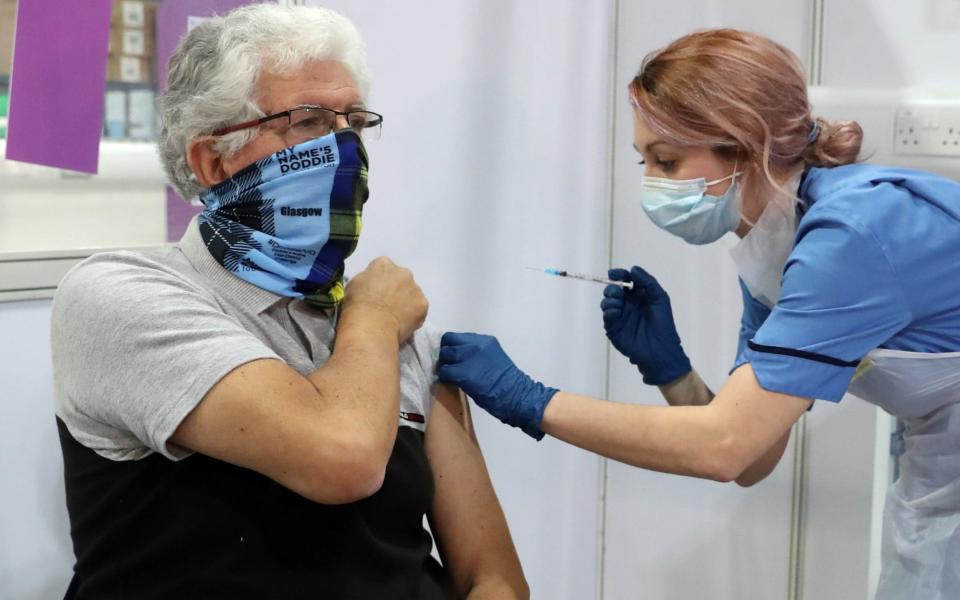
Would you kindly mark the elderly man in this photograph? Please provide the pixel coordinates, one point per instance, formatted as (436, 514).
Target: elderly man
(217, 443)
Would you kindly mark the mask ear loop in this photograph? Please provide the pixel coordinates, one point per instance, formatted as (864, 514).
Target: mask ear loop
(730, 176)
(739, 198)
(736, 162)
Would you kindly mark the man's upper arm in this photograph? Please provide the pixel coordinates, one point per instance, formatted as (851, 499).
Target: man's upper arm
(135, 349)
(146, 360)
(265, 416)
(471, 530)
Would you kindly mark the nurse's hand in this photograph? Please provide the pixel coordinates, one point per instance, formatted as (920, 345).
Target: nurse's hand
(479, 366)
(639, 323)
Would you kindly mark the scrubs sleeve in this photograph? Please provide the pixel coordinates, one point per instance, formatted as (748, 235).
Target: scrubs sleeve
(840, 299)
(754, 314)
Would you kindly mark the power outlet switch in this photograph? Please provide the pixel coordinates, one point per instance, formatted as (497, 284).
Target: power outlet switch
(929, 130)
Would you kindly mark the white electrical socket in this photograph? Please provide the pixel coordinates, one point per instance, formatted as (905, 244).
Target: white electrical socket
(927, 129)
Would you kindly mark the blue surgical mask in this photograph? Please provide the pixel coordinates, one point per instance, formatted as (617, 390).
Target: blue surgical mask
(682, 207)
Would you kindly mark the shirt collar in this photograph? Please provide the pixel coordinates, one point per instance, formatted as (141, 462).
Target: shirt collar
(221, 280)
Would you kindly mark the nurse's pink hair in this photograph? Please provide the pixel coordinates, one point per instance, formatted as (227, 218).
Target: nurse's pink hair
(743, 95)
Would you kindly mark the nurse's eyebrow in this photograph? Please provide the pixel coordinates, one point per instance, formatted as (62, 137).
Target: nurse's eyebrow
(651, 145)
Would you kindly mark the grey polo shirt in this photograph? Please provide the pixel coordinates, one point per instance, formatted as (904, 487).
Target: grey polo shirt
(138, 339)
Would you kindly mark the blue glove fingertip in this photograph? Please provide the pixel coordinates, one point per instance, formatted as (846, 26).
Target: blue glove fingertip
(452, 338)
(613, 291)
(609, 303)
(447, 374)
(641, 277)
(618, 274)
(448, 354)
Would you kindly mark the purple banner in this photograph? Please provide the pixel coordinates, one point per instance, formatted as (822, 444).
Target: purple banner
(174, 19)
(57, 82)
(179, 214)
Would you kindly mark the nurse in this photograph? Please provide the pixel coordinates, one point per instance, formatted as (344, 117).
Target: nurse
(850, 276)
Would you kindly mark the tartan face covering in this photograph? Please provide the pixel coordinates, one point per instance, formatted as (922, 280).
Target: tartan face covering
(288, 222)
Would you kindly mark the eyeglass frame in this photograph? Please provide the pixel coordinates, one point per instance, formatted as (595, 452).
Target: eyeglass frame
(287, 113)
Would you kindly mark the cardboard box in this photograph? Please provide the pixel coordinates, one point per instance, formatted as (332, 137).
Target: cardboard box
(132, 42)
(133, 14)
(131, 69)
(8, 14)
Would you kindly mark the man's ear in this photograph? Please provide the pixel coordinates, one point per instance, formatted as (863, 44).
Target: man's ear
(205, 161)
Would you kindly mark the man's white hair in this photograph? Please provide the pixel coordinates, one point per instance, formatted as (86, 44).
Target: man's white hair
(215, 67)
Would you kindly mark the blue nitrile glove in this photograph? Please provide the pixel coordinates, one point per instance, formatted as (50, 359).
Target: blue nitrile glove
(639, 323)
(479, 366)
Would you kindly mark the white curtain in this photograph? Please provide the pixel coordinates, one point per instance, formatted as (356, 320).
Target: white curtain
(36, 556)
(494, 156)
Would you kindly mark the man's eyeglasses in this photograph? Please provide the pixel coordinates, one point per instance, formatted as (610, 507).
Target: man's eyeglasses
(310, 122)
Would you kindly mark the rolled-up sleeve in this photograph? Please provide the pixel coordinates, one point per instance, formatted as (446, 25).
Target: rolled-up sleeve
(840, 299)
(754, 315)
(135, 349)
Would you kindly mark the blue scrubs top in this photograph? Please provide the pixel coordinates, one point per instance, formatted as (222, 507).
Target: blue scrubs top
(875, 264)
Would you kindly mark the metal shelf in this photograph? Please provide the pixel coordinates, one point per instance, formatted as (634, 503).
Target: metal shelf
(110, 85)
(121, 163)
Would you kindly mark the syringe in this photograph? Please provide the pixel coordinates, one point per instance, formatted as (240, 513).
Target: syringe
(628, 285)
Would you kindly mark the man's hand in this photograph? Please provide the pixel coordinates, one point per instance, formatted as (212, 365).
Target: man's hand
(327, 436)
(391, 289)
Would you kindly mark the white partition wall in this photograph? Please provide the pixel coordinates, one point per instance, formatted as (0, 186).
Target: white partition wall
(873, 52)
(35, 551)
(891, 43)
(494, 156)
(748, 543)
(670, 537)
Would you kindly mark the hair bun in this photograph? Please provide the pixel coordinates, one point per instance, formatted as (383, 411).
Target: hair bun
(838, 143)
